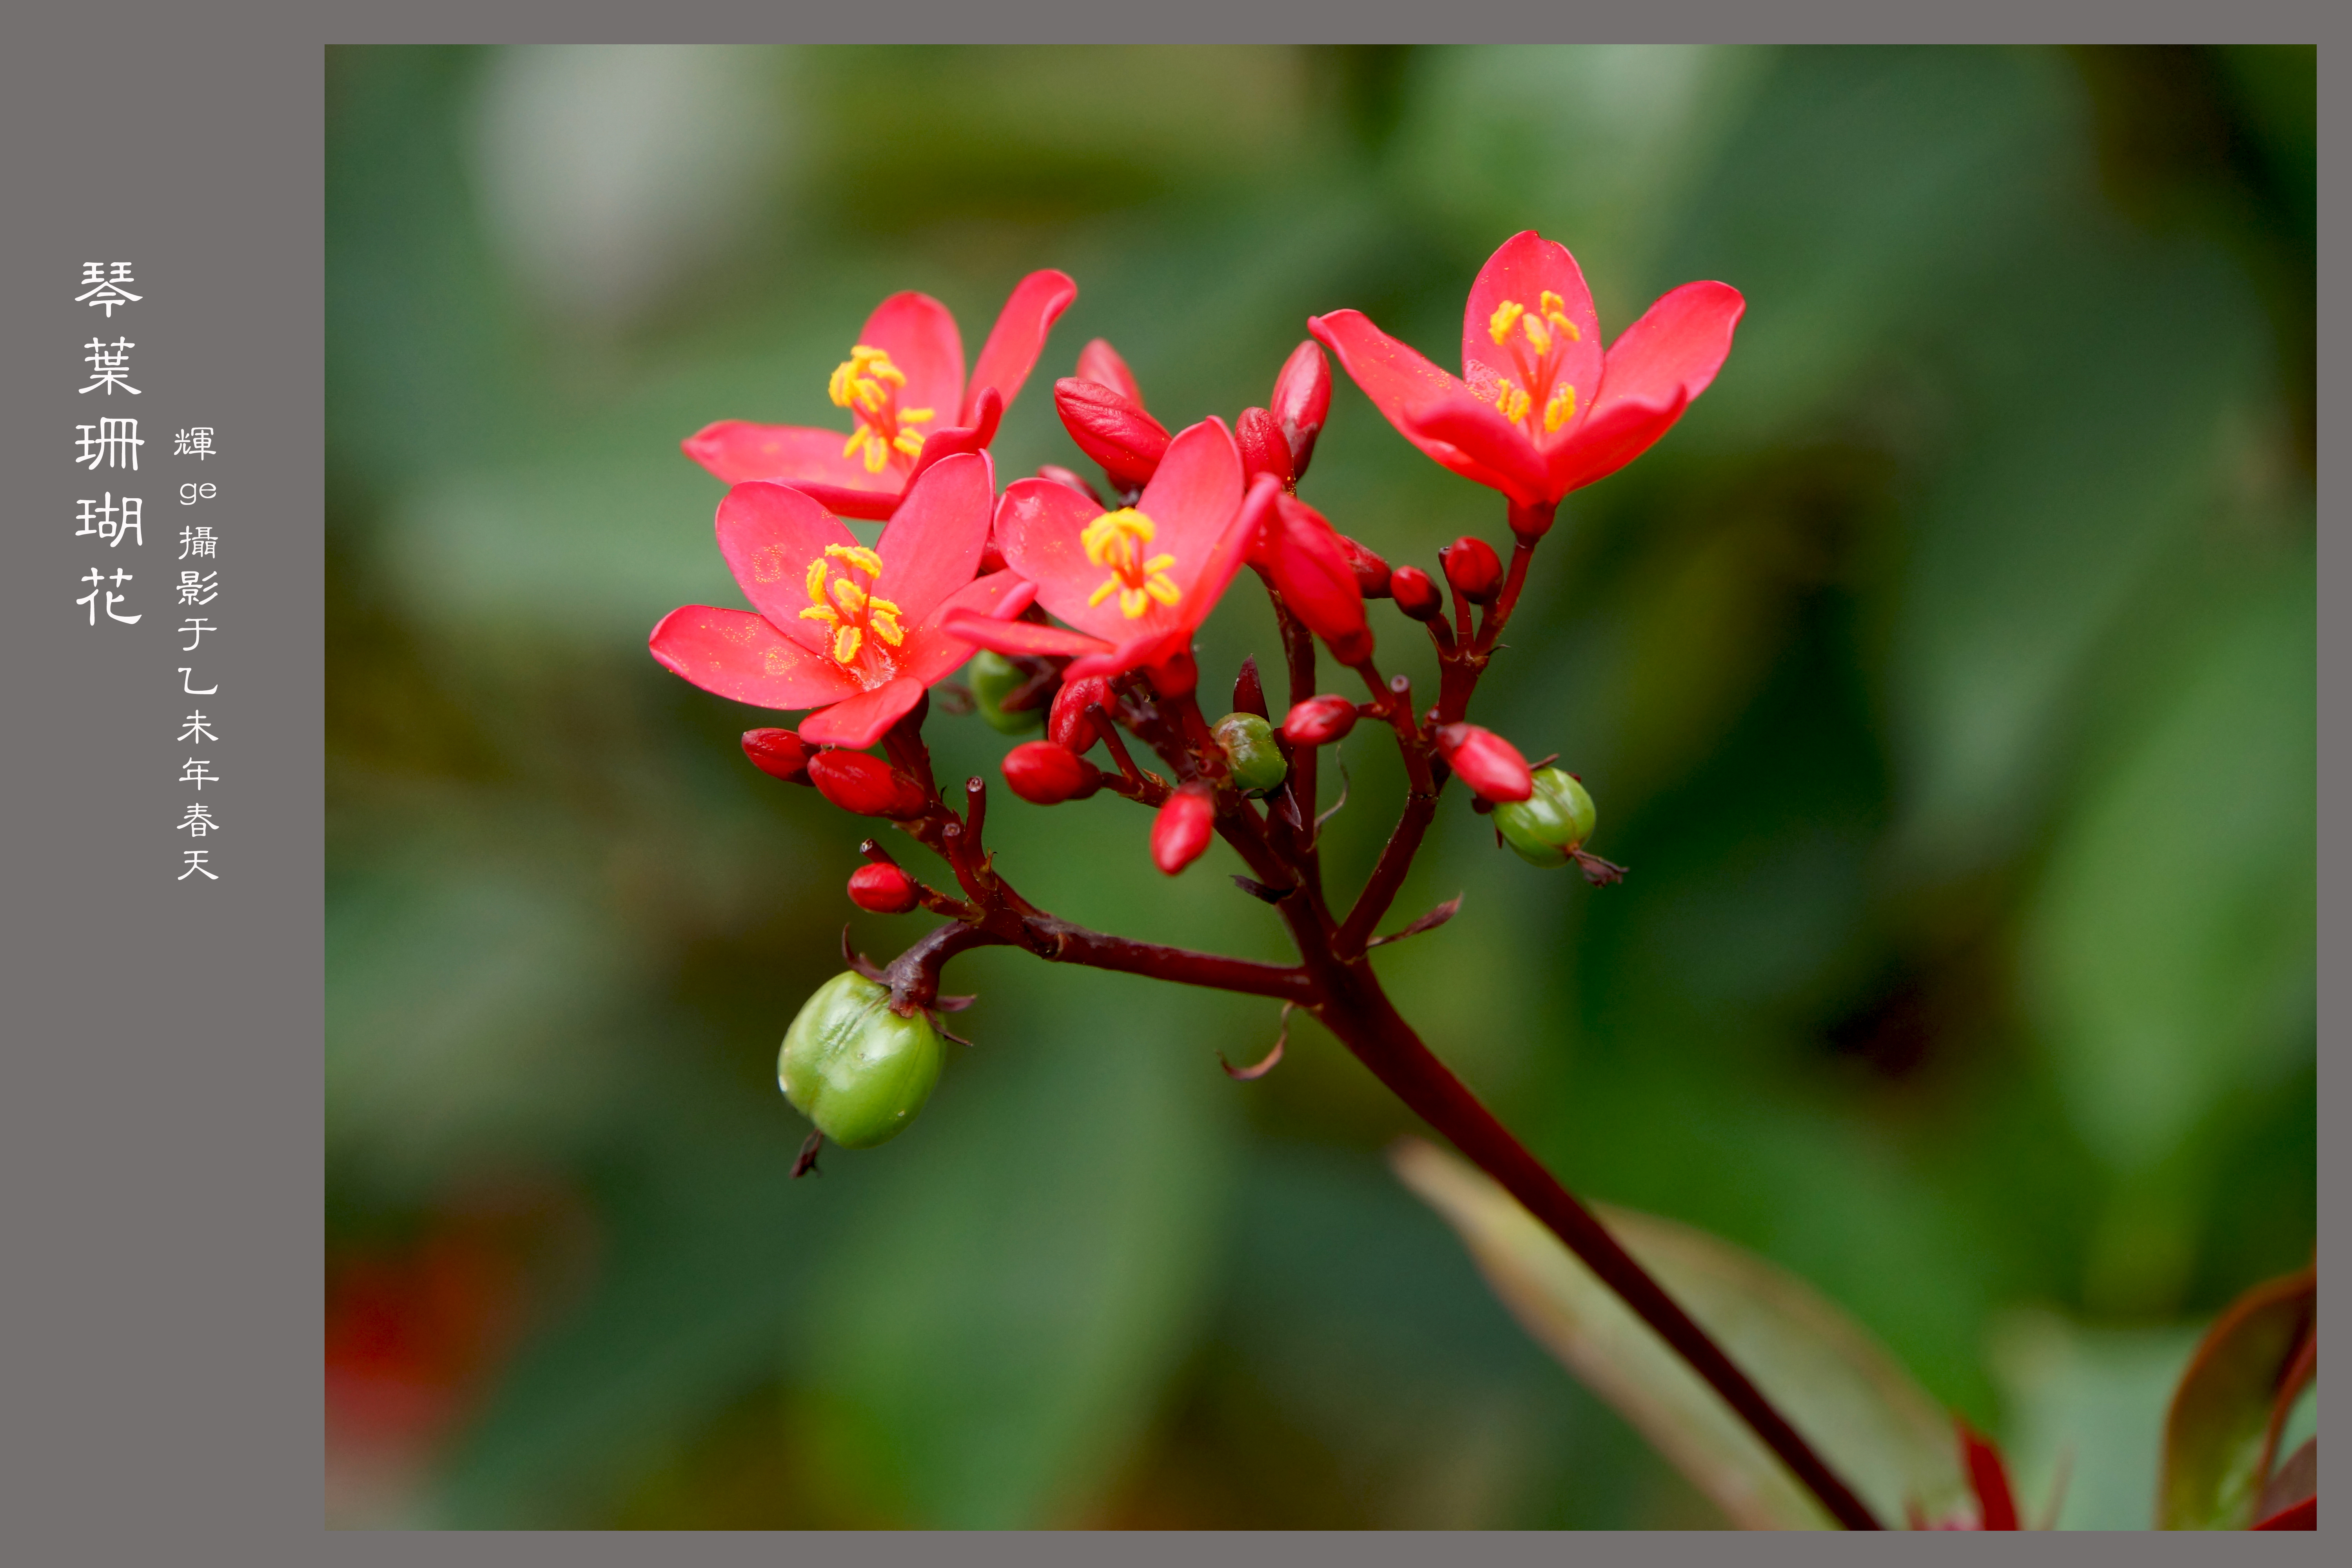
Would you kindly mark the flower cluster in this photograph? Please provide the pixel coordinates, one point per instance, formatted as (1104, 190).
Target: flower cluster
(1071, 606)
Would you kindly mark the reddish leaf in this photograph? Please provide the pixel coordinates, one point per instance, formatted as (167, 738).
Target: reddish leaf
(2217, 1433)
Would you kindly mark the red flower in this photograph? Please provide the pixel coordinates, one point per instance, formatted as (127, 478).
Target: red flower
(1488, 763)
(1308, 562)
(1181, 831)
(904, 386)
(853, 632)
(1539, 410)
(1136, 582)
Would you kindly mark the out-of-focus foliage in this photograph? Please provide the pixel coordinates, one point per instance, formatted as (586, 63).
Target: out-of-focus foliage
(1945, 678)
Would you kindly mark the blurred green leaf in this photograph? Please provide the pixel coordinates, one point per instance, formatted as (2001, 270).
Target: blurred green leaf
(992, 1338)
(2085, 1423)
(2215, 1436)
(2169, 954)
(1853, 1401)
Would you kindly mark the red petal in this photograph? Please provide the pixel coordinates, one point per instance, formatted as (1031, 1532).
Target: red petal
(1017, 638)
(1190, 501)
(1489, 447)
(921, 340)
(736, 451)
(933, 653)
(1676, 347)
(1099, 363)
(932, 545)
(1521, 269)
(1403, 386)
(1038, 527)
(769, 534)
(737, 654)
(859, 721)
(1019, 335)
(1662, 361)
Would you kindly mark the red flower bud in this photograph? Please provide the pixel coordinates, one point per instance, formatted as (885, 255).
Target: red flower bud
(1488, 763)
(1302, 397)
(1067, 723)
(1303, 557)
(1371, 571)
(1180, 832)
(1043, 774)
(1474, 569)
(1263, 450)
(778, 753)
(885, 890)
(1099, 362)
(867, 786)
(1112, 431)
(1069, 478)
(1249, 691)
(1318, 721)
(1416, 594)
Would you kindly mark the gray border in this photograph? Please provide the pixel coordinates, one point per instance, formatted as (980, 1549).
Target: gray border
(165, 1088)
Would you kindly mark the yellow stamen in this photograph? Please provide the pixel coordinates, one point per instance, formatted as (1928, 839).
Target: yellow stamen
(821, 613)
(844, 644)
(1498, 325)
(1115, 540)
(857, 555)
(867, 384)
(1555, 310)
(815, 582)
(1510, 400)
(1559, 410)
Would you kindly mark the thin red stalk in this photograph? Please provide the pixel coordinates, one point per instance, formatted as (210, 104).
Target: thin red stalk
(1357, 1011)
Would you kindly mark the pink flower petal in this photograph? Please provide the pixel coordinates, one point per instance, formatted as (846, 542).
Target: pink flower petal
(1018, 337)
(1019, 638)
(1662, 361)
(921, 340)
(1403, 385)
(737, 654)
(769, 533)
(1489, 447)
(933, 653)
(1522, 269)
(932, 545)
(859, 721)
(735, 450)
(1038, 529)
(1191, 500)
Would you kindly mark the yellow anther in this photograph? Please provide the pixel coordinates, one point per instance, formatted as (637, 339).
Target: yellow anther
(1559, 410)
(1538, 335)
(825, 613)
(848, 595)
(844, 644)
(815, 582)
(1498, 325)
(868, 383)
(1115, 540)
(1510, 400)
(857, 555)
(886, 625)
(1555, 310)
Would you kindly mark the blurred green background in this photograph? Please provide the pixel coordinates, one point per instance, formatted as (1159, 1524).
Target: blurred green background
(1946, 678)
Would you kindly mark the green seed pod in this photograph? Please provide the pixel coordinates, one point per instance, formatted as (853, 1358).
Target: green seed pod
(854, 1068)
(992, 679)
(1257, 761)
(1547, 827)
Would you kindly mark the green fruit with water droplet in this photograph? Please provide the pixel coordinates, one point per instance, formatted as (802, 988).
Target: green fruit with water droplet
(1548, 826)
(993, 677)
(1251, 753)
(859, 1070)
